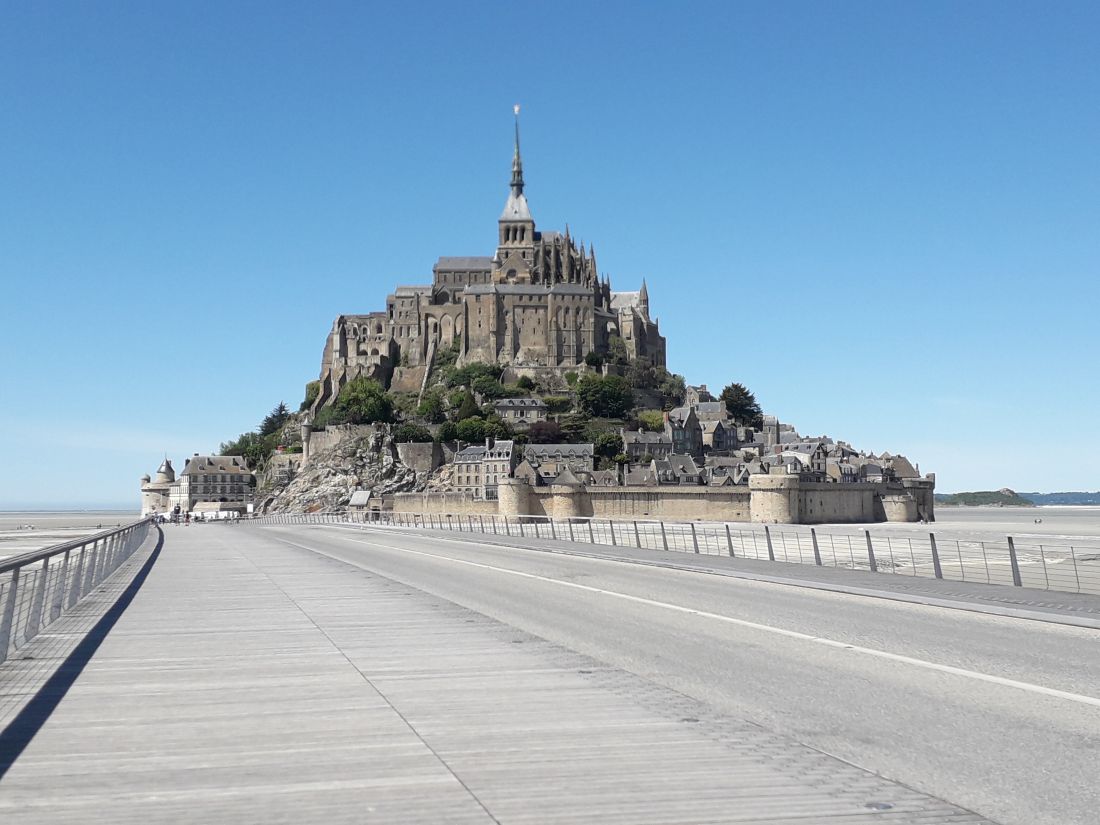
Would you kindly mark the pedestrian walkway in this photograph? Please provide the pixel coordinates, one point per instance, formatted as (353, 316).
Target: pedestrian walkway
(249, 680)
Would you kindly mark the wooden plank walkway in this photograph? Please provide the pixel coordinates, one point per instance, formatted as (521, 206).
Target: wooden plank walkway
(252, 681)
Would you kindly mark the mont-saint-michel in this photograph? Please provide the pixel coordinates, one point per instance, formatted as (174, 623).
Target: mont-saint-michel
(521, 383)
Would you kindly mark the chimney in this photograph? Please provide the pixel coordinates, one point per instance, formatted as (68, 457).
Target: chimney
(489, 442)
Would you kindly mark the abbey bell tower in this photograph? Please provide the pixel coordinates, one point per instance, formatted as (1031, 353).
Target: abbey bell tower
(517, 227)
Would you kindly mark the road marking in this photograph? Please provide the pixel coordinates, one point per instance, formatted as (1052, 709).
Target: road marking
(779, 631)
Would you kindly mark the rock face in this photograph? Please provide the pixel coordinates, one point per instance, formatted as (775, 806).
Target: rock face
(331, 476)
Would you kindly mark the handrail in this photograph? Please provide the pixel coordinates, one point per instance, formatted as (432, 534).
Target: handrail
(37, 555)
(35, 590)
(1043, 562)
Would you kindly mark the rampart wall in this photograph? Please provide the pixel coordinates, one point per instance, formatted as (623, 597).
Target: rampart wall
(768, 500)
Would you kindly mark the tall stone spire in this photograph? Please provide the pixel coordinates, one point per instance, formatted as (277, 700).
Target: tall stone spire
(516, 209)
(517, 161)
(643, 300)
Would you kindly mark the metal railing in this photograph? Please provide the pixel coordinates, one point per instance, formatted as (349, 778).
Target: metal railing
(1031, 561)
(37, 588)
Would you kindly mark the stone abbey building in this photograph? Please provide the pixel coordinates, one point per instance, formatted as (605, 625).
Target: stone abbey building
(537, 306)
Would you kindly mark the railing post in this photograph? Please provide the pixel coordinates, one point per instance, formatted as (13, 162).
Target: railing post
(768, 536)
(7, 618)
(570, 523)
(817, 552)
(493, 519)
(611, 524)
(58, 601)
(34, 620)
(694, 536)
(637, 537)
(481, 521)
(89, 569)
(664, 537)
(936, 568)
(591, 535)
(729, 540)
(871, 552)
(78, 578)
(553, 530)
(1016, 580)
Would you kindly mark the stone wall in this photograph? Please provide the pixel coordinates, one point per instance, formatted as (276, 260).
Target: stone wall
(689, 503)
(422, 457)
(779, 499)
(333, 434)
(435, 502)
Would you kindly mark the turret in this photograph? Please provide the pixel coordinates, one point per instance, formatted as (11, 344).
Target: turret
(643, 300)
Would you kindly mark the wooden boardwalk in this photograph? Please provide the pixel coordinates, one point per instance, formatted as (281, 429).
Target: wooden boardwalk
(253, 681)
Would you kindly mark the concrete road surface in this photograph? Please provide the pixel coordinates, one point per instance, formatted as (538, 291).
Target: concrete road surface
(999, 715)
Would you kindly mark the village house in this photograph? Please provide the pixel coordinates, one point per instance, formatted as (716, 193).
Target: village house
(520, 413)
(550, 459)
(683, 430)
(637, 444)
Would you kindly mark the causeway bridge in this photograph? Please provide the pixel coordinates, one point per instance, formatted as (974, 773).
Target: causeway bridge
(310, 669)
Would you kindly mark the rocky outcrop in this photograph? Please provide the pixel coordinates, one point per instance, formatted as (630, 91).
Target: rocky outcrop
(332, 475)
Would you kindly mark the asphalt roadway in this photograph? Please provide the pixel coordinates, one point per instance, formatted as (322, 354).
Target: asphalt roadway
(997, 714)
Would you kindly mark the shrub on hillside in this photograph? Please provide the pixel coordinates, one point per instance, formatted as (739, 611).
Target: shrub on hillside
(407, 433)
(605, 396)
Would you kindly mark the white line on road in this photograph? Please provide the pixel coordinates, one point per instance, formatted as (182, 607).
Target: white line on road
(791, 634)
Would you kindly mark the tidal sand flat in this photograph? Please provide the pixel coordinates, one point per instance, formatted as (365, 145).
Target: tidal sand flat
(27, 530)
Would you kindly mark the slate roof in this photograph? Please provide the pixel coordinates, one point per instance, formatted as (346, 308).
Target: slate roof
(644, 437)
(567, 479)
(623, 300)
(475, 452)
(521, 403)
(463, 264)
(360, 498)
(554, 450)
(215, 464)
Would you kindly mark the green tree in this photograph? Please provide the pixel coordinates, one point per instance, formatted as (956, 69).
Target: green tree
(431, 407)
(673, 389)
(593, 359)
(313, 389)
(472, 429)
(556, 404)
(274, 420)
(544, 432)
(255, 448)
(466, 406)
(606, 397)
(607, 445)
(363, 401)
(406, 433)
(652, 420)
(742, 406)
(466, 376)
(571, 378)
(448, 431)
(525, 383)
(487, 387)
(616, 351)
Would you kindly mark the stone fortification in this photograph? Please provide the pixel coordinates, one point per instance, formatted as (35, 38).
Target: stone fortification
(768, 500)
(362, 458)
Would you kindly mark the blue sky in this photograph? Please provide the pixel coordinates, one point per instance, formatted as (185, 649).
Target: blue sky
(881, 217)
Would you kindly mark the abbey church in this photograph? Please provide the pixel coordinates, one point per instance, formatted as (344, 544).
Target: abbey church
(536, 307)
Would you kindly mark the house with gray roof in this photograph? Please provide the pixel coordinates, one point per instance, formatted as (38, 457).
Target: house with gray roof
(520, 413)
(551, 459)
(637, 444)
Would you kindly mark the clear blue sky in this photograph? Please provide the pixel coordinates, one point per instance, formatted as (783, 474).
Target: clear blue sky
(881, 217)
